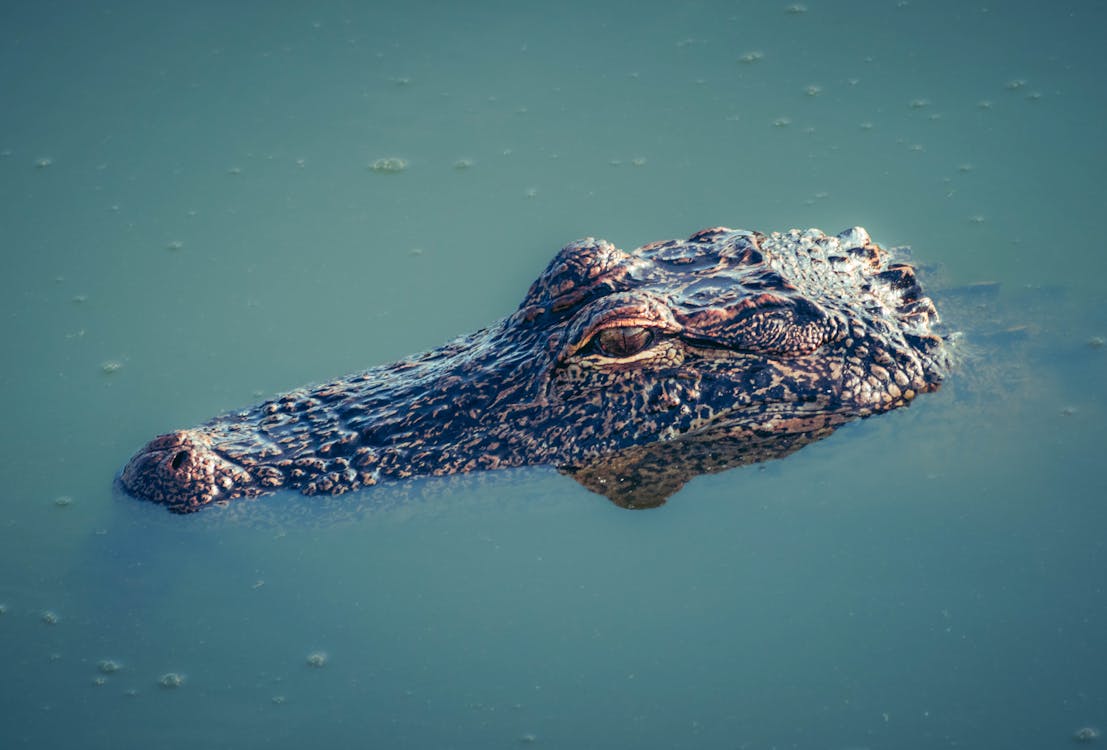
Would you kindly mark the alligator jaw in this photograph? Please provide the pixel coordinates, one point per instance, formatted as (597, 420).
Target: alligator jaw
(182, 471)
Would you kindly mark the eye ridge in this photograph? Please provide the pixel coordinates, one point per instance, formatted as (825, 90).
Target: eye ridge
(620, 342)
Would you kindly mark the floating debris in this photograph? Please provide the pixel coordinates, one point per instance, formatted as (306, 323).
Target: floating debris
(63, 501)
(638, 161)
(279, 700)
(461, 164)
(108, 666)
(390, 165)
(796, 8)
(1085, 734)
(1014, 85)
(530, 193)
(317, 659)
(866, 126)
(111, 366)
(1095, 342)
(918, 103)
(751, 57)
(235, 170)
(49, 617)
(782, 122)
(813, 90)
(174, 245)
(43, 162)
(171, 680)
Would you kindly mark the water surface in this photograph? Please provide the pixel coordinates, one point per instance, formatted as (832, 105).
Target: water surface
(189, 222)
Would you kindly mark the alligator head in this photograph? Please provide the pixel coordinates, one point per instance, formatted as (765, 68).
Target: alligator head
(630, 371)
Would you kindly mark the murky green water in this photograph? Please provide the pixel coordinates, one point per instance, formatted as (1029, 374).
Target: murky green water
(189, 222)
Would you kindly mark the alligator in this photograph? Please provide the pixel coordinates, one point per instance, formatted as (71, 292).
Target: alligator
(632, 372)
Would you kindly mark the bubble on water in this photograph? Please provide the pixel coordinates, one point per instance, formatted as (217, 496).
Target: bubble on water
(462, 164)
(174, 245)
(63, 501)
(171, 680)
(752, 57)
(317, 659)
(43, 162)
(49, 617)
(108, 666)
(389, 165)
(1085, 734)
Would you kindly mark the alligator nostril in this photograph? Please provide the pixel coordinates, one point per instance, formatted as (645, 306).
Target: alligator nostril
(178, 459)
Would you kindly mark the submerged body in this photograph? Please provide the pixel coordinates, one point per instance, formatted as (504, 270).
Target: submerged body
(631, 371)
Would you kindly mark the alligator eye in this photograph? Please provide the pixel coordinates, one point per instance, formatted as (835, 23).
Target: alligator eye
(623, 341)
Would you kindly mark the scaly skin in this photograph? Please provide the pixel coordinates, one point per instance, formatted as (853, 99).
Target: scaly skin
(631, 372)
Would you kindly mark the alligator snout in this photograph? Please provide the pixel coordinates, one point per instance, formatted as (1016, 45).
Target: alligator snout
(182, 471)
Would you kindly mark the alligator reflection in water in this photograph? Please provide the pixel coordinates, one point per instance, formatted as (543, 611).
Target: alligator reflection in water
(630, 371)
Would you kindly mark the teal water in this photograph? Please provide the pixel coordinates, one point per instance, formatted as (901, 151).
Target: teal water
(189, 222)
